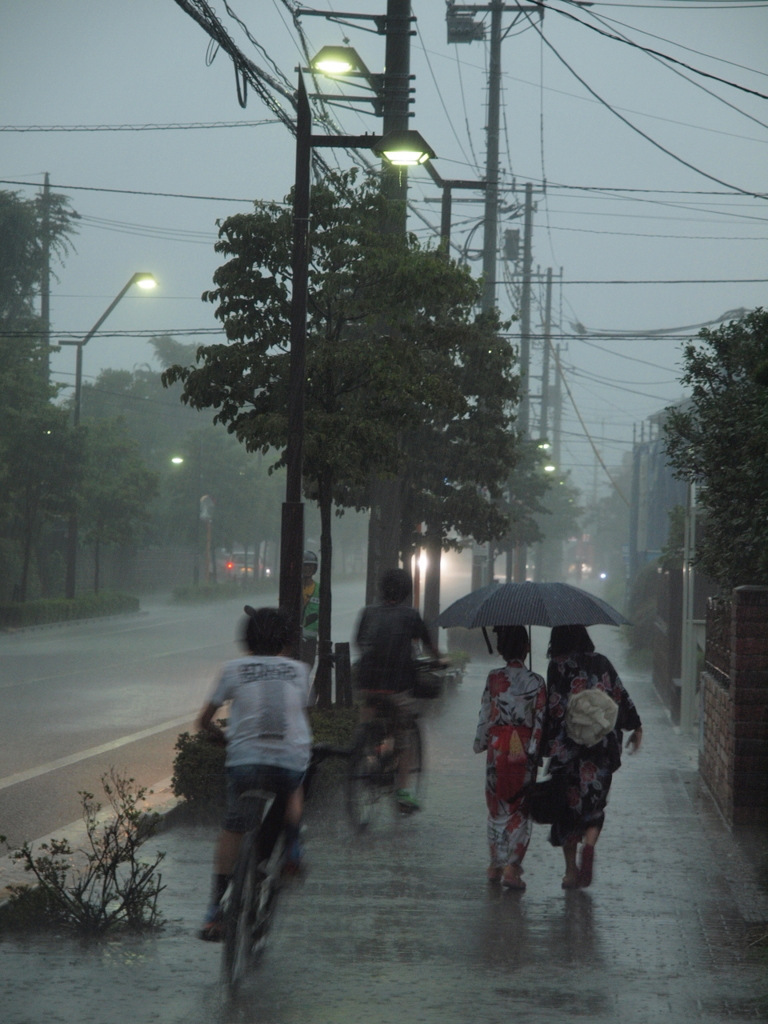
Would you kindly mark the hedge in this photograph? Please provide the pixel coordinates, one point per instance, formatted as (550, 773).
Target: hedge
(198, 769)
(89, 606)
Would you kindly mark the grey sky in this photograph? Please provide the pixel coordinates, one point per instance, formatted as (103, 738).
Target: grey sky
(139, 61)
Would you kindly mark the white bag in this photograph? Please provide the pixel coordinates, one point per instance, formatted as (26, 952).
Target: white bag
(590, 716)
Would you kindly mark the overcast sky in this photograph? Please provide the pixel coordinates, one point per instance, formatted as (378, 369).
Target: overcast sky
(114, 62)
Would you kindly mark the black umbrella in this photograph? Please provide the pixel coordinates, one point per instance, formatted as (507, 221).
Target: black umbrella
(530, 604)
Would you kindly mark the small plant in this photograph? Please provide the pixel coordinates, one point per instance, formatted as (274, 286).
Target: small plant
(198, 770)
(113, 888)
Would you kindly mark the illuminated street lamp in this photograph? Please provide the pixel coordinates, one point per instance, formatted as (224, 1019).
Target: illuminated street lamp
(550, 468)
(405, 148)
(337, 60)
(177, 460)
(146, 282)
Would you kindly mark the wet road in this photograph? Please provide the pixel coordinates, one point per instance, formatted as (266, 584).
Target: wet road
(400, 926)
(81, 698)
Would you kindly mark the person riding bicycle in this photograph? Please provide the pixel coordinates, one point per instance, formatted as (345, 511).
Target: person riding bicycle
(268, 741)
(385, 635)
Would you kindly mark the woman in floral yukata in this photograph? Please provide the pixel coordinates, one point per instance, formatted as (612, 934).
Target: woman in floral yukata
(585, 772)
(510, 729)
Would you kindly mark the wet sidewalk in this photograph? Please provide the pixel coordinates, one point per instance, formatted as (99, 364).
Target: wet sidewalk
(400, 926)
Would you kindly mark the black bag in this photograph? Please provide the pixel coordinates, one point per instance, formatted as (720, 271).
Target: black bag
(546, 800)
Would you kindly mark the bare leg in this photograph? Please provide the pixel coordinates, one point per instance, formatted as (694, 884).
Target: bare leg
(590, 836)
(571, 871)
(227, 849)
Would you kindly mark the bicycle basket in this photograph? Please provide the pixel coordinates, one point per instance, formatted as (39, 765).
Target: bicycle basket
(428, 685)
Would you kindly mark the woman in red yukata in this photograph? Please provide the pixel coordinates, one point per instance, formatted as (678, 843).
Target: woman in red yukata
(510, 728)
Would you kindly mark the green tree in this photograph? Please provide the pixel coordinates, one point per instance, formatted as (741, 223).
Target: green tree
(43, 468)
(720, 439)
(34, 445)
(372, 299)
(116, 490)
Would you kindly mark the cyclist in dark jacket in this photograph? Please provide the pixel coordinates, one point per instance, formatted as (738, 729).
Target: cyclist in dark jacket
(386, 634)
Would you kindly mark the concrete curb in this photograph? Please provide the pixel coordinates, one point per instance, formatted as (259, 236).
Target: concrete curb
(161, 805)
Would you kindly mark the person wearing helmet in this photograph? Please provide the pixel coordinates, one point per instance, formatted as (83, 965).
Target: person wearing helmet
(385, 635)
(268, 741)
(311, 609)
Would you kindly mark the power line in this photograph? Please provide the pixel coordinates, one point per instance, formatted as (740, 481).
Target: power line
(622, 355)
(640, 234)
(629, 110)
(598, 456)
(182, 126)
(698, 85)
(139, 192)
(711, 56)
(708, 280)
(654, 53)
(639, 131)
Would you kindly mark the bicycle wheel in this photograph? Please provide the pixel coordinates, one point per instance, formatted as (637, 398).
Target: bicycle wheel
(365, 783)
(240, 912)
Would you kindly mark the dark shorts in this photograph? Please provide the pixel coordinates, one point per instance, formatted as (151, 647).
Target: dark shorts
(242, 777)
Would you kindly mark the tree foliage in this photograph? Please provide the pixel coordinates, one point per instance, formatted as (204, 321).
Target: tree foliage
(116, 491)
(720, 439)
(400, 373)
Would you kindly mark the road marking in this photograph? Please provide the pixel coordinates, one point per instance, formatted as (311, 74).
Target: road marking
(83, 755)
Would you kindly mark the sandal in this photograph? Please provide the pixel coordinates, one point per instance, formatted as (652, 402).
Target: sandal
(511, 879)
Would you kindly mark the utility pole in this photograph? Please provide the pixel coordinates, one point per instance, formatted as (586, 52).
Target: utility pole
(544, 418)
(557, 410)
(521, 550)
(544, 415)
(525, 312)
(386, 495)
(491, 214)
(45, 277)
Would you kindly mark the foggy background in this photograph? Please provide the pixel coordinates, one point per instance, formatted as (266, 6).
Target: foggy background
(112, 63)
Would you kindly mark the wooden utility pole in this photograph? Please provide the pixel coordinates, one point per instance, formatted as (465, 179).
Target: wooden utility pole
(45, 275)
(384, 526)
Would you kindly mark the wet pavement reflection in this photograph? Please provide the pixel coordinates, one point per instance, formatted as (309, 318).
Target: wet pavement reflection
(400, 925)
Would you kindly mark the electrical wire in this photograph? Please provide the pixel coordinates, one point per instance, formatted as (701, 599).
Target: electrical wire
(630, 110)
(621, 355)
(139, 192)
(476, 163)
(639, 234)
(180, 126)
(598, 456)
(711, 56)
(440, 94)
(639, 131)
(621, 38)
(698, 85)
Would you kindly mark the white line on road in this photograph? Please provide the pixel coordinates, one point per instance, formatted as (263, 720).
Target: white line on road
(63, 762)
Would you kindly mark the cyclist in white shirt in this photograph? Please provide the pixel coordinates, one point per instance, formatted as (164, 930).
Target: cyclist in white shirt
(268, 741)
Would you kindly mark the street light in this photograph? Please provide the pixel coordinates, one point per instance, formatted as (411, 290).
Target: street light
(337, 60)
(145, 281)
(407, 147)
(177, 460)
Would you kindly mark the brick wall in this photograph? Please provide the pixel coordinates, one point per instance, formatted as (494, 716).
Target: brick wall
(733, 759)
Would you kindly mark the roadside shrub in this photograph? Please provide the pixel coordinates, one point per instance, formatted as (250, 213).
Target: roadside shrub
(88, 606)
(198, 768)
(113, 889)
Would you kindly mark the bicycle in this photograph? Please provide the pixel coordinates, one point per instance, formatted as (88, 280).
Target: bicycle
(249, 903)
(379, 744)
